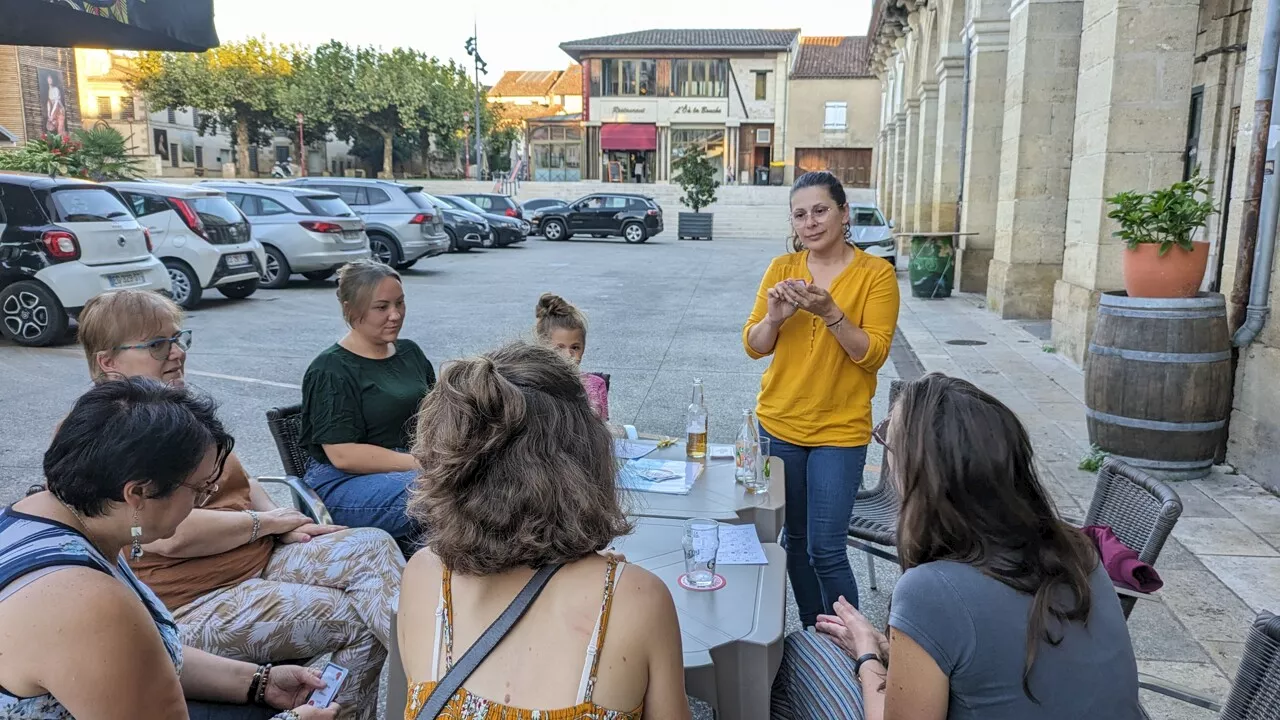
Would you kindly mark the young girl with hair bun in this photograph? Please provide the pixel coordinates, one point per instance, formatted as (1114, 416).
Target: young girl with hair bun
(563, 328)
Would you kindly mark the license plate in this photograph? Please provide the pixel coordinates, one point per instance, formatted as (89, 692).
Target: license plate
(129, 279)
(351, 234)
(237, 260)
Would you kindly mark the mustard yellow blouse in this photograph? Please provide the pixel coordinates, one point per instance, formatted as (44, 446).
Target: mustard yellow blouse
(813, 394)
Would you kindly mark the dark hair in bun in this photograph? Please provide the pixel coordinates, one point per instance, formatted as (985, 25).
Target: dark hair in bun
(555, 313)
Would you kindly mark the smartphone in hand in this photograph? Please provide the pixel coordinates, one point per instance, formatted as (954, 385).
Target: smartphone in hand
(332, 676)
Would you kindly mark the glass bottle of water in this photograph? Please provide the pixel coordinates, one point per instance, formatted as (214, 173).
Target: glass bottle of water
(745, 448)
(696, 424)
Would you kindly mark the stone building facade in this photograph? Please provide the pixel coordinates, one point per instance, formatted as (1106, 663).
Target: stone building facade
(1015, 119)
(37, 93)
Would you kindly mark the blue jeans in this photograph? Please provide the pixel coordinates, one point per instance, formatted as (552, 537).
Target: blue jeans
(376, 500)
(822, 483)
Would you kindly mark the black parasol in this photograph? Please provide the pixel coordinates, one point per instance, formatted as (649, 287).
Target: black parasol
(184, 25)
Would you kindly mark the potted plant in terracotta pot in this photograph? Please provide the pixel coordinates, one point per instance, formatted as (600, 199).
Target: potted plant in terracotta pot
(697, 178)
(1163, 259)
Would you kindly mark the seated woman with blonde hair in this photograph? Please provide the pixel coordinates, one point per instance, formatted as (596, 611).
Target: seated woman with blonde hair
(244, 578)
(518, 477)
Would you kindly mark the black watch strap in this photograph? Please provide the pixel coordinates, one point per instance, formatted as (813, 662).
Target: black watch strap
(857, 664)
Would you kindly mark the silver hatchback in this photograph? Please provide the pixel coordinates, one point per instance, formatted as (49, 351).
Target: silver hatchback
(305, 231)
(404, 226)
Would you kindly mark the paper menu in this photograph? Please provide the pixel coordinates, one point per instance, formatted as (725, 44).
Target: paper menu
(739, 545)
(669, 477)
(625, 449)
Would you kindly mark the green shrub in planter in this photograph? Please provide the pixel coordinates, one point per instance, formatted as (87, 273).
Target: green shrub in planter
(696, 176)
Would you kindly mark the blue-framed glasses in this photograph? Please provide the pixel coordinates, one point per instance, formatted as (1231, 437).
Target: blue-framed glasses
(160, 347)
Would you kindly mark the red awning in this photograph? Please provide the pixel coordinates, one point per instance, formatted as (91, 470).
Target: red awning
(628, 136)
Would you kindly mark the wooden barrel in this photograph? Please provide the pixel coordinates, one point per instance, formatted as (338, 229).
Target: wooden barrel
(1157, 382)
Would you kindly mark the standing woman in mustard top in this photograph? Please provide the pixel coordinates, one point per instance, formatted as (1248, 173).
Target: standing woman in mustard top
(826, 312)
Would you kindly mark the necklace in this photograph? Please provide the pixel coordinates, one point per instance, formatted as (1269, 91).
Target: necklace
(79, 521)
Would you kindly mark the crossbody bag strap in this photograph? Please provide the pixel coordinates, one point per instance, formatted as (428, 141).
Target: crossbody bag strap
(493, 635)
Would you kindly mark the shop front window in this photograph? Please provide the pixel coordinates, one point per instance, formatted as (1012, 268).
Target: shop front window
(710, 140)
(557, 153)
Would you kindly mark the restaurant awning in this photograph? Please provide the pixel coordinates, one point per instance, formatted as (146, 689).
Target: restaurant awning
(185, 25)
(628, 136)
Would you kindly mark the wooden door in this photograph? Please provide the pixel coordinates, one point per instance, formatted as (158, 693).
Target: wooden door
(851, 165)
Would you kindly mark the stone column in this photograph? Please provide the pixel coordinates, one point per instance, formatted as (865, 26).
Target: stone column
(1130, 134)
(888, 142)
(1035, 156)
(946, 166)
(910, 165)
(926, 152)
(898, 212)
(988, 48)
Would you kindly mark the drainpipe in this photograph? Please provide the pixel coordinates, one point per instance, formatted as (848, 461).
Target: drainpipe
(1269, 210)
(1261, 170)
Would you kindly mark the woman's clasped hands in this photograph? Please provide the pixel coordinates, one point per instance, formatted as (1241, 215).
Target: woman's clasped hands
(792, 295)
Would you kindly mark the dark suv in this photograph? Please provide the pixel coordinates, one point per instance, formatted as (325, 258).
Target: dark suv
(634, 217)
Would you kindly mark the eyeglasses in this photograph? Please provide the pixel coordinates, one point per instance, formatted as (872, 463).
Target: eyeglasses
(160, 347)
(880, 433)
(204, 492)
(799, 217)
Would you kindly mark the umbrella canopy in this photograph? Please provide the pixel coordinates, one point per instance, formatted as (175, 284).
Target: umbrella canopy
(182, 25)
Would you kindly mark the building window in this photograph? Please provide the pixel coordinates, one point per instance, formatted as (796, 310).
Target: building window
(699, 78)
(624, 78)
(195, 117)
(836, 116)
(1191, 162)
(762, 84)
(173, 116)
(126, 108)
(557, 153)
(711, 142)
(104, 108)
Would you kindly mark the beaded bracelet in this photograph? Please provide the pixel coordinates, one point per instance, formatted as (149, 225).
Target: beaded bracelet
(254, 684)
(262, 686)
(257, 524)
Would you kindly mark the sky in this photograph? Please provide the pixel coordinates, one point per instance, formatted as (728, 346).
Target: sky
(513, 34)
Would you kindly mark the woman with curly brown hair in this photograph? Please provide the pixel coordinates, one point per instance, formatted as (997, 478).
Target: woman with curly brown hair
(518, 475)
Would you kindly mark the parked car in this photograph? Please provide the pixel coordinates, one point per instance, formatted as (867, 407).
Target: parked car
(402, 223)
(466, 230)
(497, 203)
(871, 233)
(203, 240)
(506, 230)
(534, 210)
(635, 218)
(62, 242)
(305, 231)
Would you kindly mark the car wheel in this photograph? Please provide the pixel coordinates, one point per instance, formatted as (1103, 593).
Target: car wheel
(453, 240)
(405, 266)
(318, 275)
(489, 241)
(634, 232)
(275, 274)
(240, 290)
(553, 230)
(31, 315)
(383, 249)
(184, 284)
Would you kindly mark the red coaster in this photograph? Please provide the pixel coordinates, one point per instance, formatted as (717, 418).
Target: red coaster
(717, 582)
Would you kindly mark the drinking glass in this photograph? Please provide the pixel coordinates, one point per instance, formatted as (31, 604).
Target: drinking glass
(701, 543)
(758, 481)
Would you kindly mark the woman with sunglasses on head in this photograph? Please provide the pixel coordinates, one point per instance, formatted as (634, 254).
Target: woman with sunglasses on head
(826, 313)
(245, 578)
(81, 636)
(1003, 611)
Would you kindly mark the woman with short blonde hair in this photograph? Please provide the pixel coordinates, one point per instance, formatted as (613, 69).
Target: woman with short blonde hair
(243, 577)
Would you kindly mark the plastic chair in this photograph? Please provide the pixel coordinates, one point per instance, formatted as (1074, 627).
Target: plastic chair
(285, 425)
(875, 512)
(1255, 693)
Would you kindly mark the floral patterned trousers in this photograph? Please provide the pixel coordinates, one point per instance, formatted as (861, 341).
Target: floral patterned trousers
(335, 594)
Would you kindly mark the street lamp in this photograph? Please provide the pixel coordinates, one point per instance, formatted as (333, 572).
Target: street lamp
(473, 50)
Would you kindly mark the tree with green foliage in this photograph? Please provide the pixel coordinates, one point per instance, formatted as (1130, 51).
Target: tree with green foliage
(240, 85)
(696, 176)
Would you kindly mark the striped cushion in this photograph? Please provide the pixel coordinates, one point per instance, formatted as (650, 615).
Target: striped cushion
(815, 681)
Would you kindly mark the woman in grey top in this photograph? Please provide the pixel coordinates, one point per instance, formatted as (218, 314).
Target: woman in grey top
(1003, 611)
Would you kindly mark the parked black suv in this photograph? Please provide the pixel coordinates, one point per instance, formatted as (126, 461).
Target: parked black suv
(496, 203)
(635, 218)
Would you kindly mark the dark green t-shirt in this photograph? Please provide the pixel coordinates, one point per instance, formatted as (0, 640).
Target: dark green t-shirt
(347, 398)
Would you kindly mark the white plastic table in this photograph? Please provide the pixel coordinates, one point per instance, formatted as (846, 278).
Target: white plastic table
(732, 637)
(716, 496)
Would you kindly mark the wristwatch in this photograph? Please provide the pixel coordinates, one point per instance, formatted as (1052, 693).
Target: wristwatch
(857, 664)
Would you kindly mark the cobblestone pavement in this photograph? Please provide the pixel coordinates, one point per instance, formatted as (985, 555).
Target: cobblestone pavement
(661, 314)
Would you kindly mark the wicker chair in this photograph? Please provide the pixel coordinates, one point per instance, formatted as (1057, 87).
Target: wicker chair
(1255, 694)
(875, 513)
(1139, 509)
(285, 424)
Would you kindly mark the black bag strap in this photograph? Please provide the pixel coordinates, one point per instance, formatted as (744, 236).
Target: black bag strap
(493, 635)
